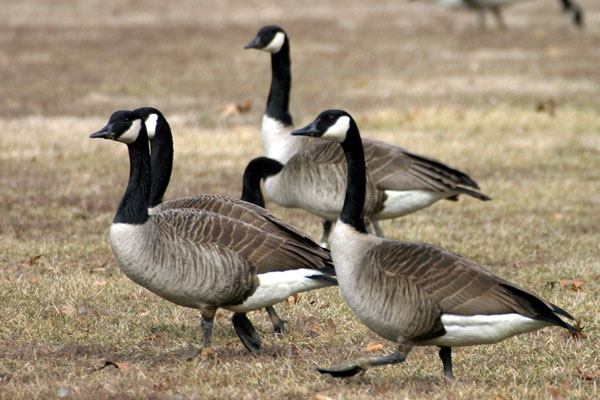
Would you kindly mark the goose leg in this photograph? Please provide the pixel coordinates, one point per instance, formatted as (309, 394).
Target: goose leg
(326, 231)
(207, 326)
(361, 364)
(246, 332)
(377, 228)
(278, 323)
(498, 16)
(446, 356)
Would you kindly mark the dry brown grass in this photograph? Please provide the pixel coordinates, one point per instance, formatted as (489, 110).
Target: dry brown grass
(412, 74)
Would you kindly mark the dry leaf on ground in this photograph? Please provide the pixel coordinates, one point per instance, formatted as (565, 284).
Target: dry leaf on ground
(372, 347)
(320, 397)
(573, 284)
(585, 375)
(235, 108)
(323, 332)
(32, 260)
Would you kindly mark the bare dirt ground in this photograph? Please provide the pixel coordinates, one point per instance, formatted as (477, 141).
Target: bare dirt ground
(517, 110)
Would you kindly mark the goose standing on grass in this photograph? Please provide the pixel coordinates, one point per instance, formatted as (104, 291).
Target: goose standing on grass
(416, 294)
(495, 7)
(207, 259)
(161, 145)
(312, 175)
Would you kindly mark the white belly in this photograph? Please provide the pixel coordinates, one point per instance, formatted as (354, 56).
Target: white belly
(462, 330)
(275, 287)
(399, 203)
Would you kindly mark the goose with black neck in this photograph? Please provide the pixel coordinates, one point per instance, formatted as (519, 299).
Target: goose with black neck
(312, 174)
(161, 145)
(417, 294)
(206, 259)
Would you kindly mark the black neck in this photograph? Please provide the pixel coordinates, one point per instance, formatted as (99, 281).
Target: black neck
(162, 161)
(257, 169)
(281, 85)
(354, 202)
(134, 205)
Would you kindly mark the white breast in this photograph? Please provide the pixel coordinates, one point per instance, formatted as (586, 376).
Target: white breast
(348, 248)
(125, 242)
(277, 141)
(462, 330)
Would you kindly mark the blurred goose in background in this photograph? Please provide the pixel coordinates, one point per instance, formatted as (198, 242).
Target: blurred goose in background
(230, 254)
(495, 8)
(416, 294)
(312, 174)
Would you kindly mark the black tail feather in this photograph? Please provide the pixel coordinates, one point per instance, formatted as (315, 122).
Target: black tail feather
(324, 278)
(473, 193)
(543, 311)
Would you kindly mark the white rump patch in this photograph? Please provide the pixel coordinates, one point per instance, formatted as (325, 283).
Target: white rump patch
(338, 130)
(463, 330)
(275, 44)
(131, 134)
(151, 125)
(402, 202)
(275, 287)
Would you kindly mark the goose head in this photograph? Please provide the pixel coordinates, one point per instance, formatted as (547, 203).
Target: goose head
(270, 38)
(330, 124)
(123, 126)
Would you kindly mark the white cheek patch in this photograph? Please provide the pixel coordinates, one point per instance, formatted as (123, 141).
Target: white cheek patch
(131, 134)
(151, 125)
(338, 130)
(276, 43)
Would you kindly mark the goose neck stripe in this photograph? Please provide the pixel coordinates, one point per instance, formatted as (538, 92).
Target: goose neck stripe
(151, 125)
(131, 134)
(276, 43)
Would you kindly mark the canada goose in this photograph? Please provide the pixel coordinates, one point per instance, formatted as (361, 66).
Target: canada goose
(161, 144)
(277, 121)
(495, 7)
(312, 176)
(416, 294)
(207, 259)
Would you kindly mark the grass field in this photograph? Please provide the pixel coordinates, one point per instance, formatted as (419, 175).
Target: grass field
(518, 110)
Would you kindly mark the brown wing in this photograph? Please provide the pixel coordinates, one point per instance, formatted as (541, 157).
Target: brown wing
(457, 285)
(256, 216)
(262, 250)
(391, 167)
(394, 168)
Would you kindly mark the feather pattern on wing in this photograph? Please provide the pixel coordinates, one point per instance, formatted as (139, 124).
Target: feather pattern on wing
(414, 283)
